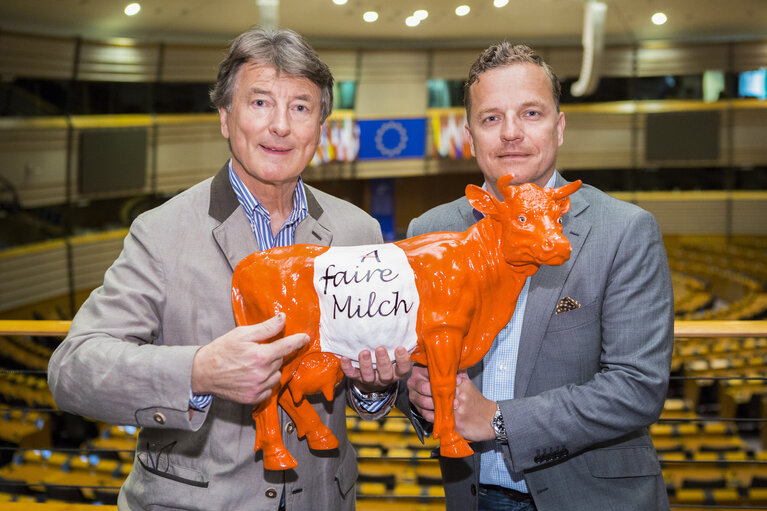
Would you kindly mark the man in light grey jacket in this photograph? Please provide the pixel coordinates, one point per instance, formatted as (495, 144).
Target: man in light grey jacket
(156, 346)
(558, 410)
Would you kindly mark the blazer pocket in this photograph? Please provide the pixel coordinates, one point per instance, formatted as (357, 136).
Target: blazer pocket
(347, 472)
(623, 462)
(575, 318)
(160, 465)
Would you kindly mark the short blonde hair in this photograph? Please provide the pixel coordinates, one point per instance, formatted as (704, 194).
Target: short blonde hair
(502, 55)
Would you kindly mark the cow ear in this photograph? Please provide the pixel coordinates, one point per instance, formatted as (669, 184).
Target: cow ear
(564, 204)
(482, 200)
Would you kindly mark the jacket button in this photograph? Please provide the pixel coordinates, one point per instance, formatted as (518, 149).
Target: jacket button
(271, 493)
(473, 489)
(290, 427)
(159, 418)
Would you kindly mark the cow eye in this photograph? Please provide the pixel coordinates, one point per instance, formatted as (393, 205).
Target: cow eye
(559, 220)
(522, 219)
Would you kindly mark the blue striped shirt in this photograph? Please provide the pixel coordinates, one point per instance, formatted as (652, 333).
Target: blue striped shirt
(498, 373)
(260, 222)
(259, 218)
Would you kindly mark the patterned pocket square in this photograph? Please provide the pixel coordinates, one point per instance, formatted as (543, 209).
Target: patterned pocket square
(566, 304)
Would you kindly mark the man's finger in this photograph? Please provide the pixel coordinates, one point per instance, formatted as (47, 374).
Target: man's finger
(287, 345)
(402, 361)
(265, 330)
(348, 368)
(383, 365)
(367, 373)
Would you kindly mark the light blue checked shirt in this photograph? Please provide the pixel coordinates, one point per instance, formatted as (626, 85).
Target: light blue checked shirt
(260, 222)
(499, 370)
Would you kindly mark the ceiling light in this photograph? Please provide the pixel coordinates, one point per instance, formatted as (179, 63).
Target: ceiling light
(370, 16)
(659, 18)
(421, 14)
(339, 2)
(500, 3)
(132, 9)
(412, 21)
(462, 10)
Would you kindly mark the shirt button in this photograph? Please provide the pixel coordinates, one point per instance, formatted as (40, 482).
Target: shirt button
(502, 367)
(271, 493)
(290, 427)
(159, 418)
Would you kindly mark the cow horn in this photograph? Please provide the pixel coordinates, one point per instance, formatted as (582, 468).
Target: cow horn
(503, 184)
(564, 191)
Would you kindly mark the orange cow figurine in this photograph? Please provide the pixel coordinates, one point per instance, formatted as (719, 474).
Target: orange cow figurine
(444, 296)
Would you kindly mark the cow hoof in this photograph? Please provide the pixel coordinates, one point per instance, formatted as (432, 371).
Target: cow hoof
(321, 441)
(279, 460)
(458, 448)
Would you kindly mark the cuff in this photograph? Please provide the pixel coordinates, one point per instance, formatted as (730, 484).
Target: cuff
(372, 405)
(199, 402)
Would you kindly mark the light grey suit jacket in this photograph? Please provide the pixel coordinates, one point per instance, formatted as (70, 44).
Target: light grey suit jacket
(588, 381)
(128, 359)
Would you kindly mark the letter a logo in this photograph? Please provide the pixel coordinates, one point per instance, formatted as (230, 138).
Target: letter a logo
(374, 253)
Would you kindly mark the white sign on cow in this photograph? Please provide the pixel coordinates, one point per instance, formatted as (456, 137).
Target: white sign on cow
(367, 296)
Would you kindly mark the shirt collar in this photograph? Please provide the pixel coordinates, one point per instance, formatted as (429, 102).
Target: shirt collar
(253, 206)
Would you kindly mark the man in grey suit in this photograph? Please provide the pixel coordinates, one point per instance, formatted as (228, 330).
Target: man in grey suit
(558, 410)
(156, 346)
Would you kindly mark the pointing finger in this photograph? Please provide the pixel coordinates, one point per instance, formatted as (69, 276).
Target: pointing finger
(287, 345)
(265, 330)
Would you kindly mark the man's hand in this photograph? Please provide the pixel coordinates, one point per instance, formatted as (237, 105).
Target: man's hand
(419, 391)
(238, 368)
(370, 378)
(473, 411)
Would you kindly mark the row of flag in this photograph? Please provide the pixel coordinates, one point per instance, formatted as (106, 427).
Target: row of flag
(346, 139)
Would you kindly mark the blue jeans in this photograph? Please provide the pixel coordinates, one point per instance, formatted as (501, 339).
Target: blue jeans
(494, 500)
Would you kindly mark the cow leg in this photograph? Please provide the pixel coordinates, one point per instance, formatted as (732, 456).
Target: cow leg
(317, 372)
(269, 436)
(443, 351)
(308, 424)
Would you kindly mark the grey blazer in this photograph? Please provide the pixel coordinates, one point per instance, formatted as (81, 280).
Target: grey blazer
(128, 359)
(589, 381)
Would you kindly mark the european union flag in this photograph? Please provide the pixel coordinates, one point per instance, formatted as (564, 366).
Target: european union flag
(392, 138)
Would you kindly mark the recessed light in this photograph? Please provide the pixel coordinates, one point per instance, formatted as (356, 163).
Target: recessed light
(412, 21)
(659, 18)
(339, 2)
(132, 9)
(462, 10)
(500, 3)
(370, 16)
(421, 14)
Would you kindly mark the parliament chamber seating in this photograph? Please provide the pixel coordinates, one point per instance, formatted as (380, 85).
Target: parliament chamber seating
(710, 436)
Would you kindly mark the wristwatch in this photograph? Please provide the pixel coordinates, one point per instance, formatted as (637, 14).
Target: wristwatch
(498, 426)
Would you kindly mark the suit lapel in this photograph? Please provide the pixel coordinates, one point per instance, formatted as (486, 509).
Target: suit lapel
(545, 291)
(234, 234)
(311, 230)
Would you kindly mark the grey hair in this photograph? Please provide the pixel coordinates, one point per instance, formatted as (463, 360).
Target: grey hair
(505, 54)
(285, 51)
